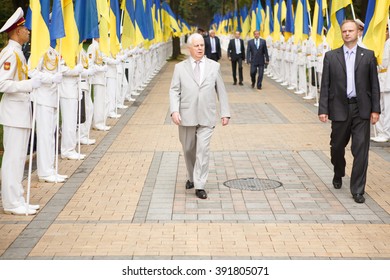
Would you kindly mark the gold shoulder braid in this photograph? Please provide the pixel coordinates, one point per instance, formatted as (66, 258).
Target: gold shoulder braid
(49, 63)
(84, 61)
(22, 68)
(98, 58)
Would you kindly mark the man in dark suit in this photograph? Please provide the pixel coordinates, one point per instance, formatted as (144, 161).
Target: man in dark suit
(350, 98)
(212, 46)
(257, 56)
(236, 54)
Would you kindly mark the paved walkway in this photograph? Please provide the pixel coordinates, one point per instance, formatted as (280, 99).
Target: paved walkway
(127, 199)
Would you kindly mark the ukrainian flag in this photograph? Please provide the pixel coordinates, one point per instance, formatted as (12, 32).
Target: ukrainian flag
(301, 25)
(104, 15)
(336, 17)
(318, 21)
(128, 34)
(40, 36)
(169, 22)
(115, 27)
(71, 40)
(289, 25)
(268, 21)
(374, 35)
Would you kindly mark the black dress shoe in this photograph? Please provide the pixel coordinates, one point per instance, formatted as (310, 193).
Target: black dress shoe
(235, 83)
(259, 88)
(337, 182)
(359, 198)
(189, 185)
(240, 83)
(253, 85)
(201, 194)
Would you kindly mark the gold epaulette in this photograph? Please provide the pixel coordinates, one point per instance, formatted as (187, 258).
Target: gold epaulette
(22, 68)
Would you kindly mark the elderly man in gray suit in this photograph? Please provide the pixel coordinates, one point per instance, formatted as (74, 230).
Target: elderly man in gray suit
(196, 85)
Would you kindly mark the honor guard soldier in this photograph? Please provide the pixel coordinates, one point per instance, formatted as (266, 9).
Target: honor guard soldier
(100, 107)
(111, 91)
(46, 115)
(15, 115)
(383, 125)
(86, 75)
(69, 98)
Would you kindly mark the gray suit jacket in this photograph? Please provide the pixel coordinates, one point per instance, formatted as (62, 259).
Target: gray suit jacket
(195, 102)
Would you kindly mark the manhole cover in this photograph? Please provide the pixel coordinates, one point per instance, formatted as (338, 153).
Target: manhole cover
(253, 184)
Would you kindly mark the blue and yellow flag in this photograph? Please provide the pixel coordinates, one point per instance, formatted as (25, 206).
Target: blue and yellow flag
(56, 28)
(70, 43)
(337, 16)
(318, 21)
(246, 24)
(169, 22)
(86, 16)
(268, 21)
(128, 33)
(115, 27)
(289, 25)
(276, 33)
(40, 36)
(301, 23)
(374, 35)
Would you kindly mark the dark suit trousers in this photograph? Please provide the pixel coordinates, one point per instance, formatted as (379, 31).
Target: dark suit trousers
(254, 70)
(236, 61)
(359, 129)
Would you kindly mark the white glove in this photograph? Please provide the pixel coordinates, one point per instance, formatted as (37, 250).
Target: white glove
(56, 78)
(104, 68)
(78, 68)
(90, 72)
(36, 81)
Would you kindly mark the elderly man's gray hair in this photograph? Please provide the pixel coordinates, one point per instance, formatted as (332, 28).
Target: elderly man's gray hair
(194, 36)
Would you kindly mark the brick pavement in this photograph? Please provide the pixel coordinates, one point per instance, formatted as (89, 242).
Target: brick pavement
(127, 199)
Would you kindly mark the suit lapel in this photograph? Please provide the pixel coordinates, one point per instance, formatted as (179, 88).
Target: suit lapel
(190, 70)
(207, 69)
(341, 59)
(359, 56)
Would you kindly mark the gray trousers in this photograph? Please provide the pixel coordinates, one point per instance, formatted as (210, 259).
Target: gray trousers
(196, 148)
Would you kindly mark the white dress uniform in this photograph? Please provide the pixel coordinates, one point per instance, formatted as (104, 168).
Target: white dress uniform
(46, 98)
(321, 50)
(301, 62)
(311, 55)
(294, 65)
(283, 61)
(100, 107)
(112, 77)
(85, 87)
(15, 116)
(129, 65)
(383, 125)
(122, 83)
(69, 97)
(268, 71)
(276, 61)
(289, 60)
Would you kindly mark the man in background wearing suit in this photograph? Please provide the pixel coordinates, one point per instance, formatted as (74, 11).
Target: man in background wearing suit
(257, 56)
(212, 46)
(350, 98)
(236, 53)
(195, 86)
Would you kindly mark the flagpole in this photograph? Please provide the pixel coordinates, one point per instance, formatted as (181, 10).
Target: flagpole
(353, 11)
(58, 113)
(327, 18)
(79, 108)
(31, 152)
